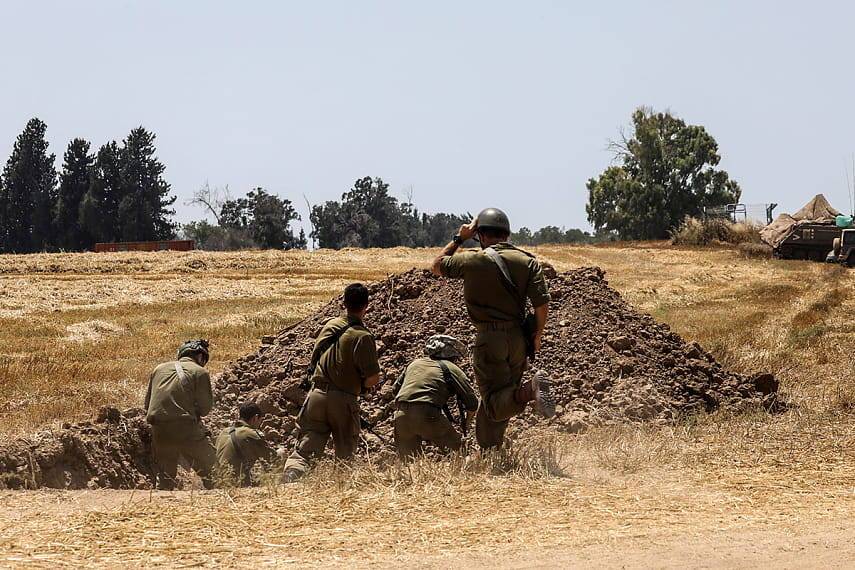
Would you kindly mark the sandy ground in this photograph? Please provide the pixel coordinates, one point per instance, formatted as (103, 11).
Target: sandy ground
(830, 544)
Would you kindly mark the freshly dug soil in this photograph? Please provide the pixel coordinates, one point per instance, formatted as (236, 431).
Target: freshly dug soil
(608, 362)
(114, 451)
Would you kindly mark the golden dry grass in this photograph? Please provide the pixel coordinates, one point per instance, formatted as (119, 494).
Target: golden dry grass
(711, 473)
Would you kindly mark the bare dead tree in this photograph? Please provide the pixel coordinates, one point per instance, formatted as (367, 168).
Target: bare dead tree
(210, 199)
(311, 224)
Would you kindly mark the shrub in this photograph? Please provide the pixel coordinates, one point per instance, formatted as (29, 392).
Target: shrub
(755, 250)
(714, 231)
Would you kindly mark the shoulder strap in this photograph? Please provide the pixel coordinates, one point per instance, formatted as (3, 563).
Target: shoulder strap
(179, 370)
(235, 444)
(328, 344)
(507, 280)
(446, 373)
(503, 267)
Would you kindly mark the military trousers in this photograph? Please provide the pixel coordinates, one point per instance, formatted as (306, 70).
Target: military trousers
(416, 423)
(326, 412)
(173, 440)
(499, 360)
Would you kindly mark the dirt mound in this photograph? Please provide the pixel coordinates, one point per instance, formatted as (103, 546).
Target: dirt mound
(609, 364)
(113, 451)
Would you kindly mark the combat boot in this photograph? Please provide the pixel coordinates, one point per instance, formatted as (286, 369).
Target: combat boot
(291, 476)
(539, 391)
(543, 400)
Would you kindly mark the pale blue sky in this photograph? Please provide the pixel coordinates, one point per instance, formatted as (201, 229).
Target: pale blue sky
(473, 104)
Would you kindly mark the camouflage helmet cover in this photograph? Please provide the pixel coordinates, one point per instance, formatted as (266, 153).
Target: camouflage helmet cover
(192, 347)
(494, 218)
(444, 346)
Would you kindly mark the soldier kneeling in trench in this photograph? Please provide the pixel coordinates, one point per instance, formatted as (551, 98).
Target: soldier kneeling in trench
(178, 397)
(421, 397)
(239, 446)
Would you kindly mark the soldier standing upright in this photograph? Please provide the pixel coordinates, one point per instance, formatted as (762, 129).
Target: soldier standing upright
(179, 395)
(497, 281)
(344, 364)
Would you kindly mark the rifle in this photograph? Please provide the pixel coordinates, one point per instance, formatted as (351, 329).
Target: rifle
(363, 423)
(461, 409)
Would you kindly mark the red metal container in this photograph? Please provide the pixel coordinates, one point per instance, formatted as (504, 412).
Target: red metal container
(173, 245)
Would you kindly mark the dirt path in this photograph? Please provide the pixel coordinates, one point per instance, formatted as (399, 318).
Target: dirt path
(829, 545)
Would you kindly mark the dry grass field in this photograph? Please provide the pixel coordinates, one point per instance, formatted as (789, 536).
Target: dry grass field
(77, 331)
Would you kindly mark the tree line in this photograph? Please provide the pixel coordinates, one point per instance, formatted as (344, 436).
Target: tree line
(115, 194)
(665, 170)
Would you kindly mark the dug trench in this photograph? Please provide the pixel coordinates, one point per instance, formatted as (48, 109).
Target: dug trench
(609, 364)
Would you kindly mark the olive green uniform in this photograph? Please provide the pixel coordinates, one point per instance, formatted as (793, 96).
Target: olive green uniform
(238, 448)
(332, 406)
(499, 356)
(174, 408)
(421, 393)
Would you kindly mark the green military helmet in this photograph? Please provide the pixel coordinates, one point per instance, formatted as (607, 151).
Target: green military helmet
(494, 218)
(444, 346)
(193, 347)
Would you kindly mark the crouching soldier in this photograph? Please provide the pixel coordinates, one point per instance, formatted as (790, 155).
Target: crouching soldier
(344, 364)
(178, 396)
(239, 446)
(421, 398)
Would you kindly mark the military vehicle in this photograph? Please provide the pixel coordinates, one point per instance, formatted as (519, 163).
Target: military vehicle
(843, 249)
(808, 241)
(807, 234)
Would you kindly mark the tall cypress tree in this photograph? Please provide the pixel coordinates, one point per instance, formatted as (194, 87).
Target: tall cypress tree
(99, 208)
(144, 212)
(3, 225)
(30, 191)
(73, 184)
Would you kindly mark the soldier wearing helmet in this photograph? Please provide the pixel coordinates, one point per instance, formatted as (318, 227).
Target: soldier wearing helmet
(498, 283)
(421, 398)
(178, 397)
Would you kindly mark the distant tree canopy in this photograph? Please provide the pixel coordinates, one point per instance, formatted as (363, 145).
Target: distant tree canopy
(556, 235)
(118, 194)
(666, 172)
(260, 220)
(368, 216)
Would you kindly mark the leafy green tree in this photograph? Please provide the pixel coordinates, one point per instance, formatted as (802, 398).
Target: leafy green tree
(29, 191)
(666, 172)
(74, 180)
(367, 216)
(265, 218)
(144, 207)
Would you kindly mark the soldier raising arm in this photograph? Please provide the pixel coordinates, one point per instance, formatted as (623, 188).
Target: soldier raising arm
(497, 282)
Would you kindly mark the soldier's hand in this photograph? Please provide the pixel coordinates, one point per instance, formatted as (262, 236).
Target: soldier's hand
(467, 231)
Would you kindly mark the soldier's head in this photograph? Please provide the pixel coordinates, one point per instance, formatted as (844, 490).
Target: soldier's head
(444, 347)
(251, 414)
(356, 299)
(493, 227)
(195, 349)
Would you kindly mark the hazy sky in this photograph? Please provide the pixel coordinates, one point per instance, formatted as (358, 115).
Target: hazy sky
(473, 104)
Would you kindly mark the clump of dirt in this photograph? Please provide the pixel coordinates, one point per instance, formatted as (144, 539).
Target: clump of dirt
(112, 451)
(609, 364)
